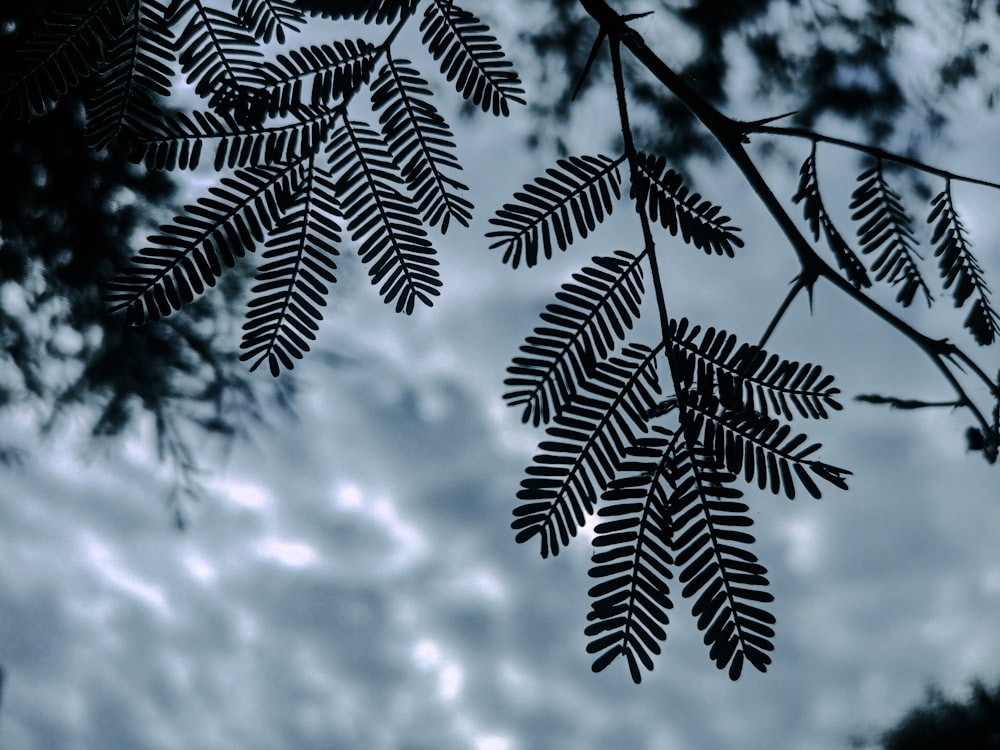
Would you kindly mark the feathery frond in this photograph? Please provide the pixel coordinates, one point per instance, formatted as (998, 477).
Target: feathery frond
(885, 230)
(377, 11)
(960, 269)
(221, 59)
(580, 193)
(583, 328)
(421, 143)
(762, 448)
(747, 378)
(471, 57)
(628, 615)
(136, 72)
(710, 546)
(268, 19)
(190, 253)
(180, 140)
(819, 219)
(291, 287)
(335, 70)
(589, 440)
(380, 217)
(666, 199)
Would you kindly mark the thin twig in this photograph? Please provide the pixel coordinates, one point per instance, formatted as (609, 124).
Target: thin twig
(878, 153)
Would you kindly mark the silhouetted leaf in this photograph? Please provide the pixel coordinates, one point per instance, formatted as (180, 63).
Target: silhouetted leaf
(379, 215)
(292, 285)
(960, 269)
(582, 329)
(885, 229)
(666, 199)
(819, 219)
(421, 143)
(587, 442)
(470, 57)
(580, 193)
(191, 252)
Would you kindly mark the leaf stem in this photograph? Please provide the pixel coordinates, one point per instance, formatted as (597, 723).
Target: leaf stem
(878, 153)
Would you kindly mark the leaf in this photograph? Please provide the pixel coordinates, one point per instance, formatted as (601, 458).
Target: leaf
(292, 285)
(66, 46)
(591, 316)
(470, 57)
(885, 229)
(960, 269)
(819, 218)
(221, 60)
(632, 559)
(268, 19)
(334, 70)
(667, 200)
(135, 74)
(762, 449)
(421, 143)
(747, 378)
(579, 193)
(718, 572)
(380, 217)
(190, 253)
(181, 139)
(379, 11)
(587, 443)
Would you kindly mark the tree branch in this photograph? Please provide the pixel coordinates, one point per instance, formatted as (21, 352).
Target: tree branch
(731, 135)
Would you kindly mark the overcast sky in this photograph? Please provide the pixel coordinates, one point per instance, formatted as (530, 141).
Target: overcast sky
(351, 580)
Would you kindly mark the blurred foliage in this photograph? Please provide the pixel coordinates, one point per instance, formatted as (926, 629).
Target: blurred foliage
(941, 722)
(69, 219)
(817, 57)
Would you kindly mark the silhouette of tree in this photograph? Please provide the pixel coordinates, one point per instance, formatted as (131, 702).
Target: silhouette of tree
(656, 434)
(943, 722)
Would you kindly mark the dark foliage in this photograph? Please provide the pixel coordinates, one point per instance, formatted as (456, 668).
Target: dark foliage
(942, 721)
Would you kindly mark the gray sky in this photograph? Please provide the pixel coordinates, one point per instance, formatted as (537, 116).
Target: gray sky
(352, 582)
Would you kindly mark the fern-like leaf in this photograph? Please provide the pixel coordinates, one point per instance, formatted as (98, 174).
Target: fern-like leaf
(181, 139)
(592, 314)
(588, 442)
(710, 546)
(292, 285)
(819, 220)
(191, 252)
(745, 377)
(632, 558)
(268, 19)
(134, 75)
(885, 230)
(470, 57)
(666, 199)
(381, 218)
(421, 143)
(379, 11)
(221, 59)
(960, 269)
(762, 449)
(580, 193)
(334, 70)
(68, 44)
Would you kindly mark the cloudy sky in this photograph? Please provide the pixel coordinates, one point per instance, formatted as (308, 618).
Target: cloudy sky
(351, 580)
